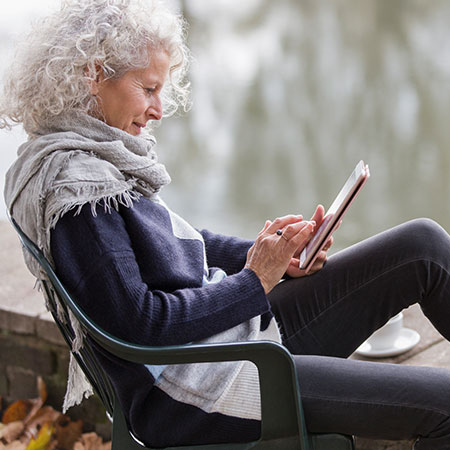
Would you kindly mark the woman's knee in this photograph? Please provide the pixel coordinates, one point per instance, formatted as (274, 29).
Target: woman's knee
(428, 237)
(428, 228)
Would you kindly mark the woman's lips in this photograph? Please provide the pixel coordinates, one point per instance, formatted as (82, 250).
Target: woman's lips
(138, 126)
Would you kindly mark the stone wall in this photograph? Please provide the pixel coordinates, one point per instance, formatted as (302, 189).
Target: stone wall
(30, 342)
(24, 357)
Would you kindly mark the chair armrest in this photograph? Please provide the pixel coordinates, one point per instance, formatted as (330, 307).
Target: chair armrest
(280, 400)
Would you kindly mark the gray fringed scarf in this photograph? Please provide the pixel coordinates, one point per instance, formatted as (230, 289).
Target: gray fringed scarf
(76, 160)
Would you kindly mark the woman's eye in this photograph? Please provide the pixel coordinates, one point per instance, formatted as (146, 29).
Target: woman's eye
(149, 90)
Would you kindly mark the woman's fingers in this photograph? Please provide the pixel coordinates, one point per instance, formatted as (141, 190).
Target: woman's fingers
(266, 225)
(298, 231)
(270, 255)
(280, 222)
(319, 262)
(328, 244)
(318, 214)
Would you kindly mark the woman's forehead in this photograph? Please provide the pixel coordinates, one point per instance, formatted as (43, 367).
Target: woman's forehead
(156, 68)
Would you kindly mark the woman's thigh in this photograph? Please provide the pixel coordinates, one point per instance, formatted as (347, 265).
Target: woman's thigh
(375, 400)
(334, 310)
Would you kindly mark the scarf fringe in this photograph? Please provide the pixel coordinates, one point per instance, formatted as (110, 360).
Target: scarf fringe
(97, 197)
(78, 387)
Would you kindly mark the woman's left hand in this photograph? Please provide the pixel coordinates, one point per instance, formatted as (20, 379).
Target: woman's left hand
(294, 270)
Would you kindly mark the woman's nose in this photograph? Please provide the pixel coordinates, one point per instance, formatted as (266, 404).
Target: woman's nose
(154, 111)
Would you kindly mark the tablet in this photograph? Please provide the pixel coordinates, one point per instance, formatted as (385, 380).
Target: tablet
(334, 215)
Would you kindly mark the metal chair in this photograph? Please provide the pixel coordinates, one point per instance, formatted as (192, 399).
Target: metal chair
(282, 425)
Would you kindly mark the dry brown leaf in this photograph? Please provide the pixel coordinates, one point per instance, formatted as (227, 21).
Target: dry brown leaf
(67, 432)
(42, 389)
(90, 441)
(12, 431)
(26, 409)
(42, 440)
(16, 411)
(44, 415)
(40, 427)
(37, 402)
(16, 445)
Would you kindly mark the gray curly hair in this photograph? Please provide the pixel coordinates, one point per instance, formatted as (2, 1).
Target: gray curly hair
(54, 65)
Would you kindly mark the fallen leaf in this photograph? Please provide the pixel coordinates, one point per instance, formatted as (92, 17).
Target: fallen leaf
(37, 403)
(43, 428)
(44, 415)
(81, 446)
(90, 441)
(12, 431)
(43, 438)
(42, 389)
(16, 411)
(67, 432)
(16, 445)
(25, 409)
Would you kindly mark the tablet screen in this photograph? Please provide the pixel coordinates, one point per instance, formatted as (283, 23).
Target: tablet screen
(334, 214)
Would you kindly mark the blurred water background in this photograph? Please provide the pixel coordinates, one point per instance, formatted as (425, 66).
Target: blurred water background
(287, 97)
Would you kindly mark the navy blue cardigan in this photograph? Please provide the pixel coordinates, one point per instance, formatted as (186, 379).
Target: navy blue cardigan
(135, 279)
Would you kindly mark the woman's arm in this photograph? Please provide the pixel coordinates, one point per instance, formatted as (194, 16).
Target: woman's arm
(95, 259)
(227, 252)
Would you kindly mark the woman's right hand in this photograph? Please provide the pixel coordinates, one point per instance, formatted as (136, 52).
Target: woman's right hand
(270, 255)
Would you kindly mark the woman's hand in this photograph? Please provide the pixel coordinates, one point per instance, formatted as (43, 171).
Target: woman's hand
(271, 254)
(293, 269)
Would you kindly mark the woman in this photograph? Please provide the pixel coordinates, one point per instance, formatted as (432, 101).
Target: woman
(85, 187)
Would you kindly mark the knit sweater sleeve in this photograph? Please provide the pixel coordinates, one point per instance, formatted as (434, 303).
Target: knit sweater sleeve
(227, 252)
(96, 260)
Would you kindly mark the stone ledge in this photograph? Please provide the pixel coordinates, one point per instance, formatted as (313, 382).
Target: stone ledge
(47, 329)
(27, 352)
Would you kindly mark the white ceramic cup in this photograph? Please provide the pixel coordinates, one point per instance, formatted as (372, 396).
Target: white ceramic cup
(385, 337)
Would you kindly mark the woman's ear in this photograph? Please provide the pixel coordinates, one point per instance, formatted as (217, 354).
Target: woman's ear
(94, 79)
(93, 87)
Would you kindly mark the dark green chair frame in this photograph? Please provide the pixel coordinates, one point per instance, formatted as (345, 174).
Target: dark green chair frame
(282, 426)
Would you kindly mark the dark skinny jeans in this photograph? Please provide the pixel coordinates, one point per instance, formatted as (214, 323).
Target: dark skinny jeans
(326, 316)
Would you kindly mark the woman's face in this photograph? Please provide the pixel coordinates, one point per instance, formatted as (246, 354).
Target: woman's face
(129, 102)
